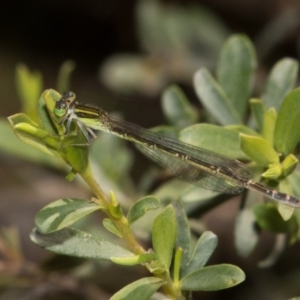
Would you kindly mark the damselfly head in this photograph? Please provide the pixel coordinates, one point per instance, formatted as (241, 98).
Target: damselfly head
(62, 105)
(69, 96)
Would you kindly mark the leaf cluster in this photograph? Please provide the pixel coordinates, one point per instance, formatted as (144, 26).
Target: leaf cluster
(263, 132)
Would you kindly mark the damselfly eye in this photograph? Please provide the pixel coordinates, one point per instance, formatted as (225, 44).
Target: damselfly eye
(69, 96)
(60, 108)
(61, 105)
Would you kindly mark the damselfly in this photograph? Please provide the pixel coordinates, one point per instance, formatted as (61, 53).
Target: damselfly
(195, 165)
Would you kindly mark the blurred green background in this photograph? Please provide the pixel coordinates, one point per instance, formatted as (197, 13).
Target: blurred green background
(126, 53)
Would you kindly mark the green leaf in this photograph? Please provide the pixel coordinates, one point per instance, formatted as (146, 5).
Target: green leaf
(62, 213)
(45, 108)
(235, 71)
(177, 265)
(29, 87)
(274, 172)
(73, 242)
(73, 154)
(268, 217)
(269, 125)
(141, 289)
(176, 189)
(202, 200)
(204, 248)
(177, 108)
(12, 145)
(63, 78)
(183, 239)
(281, 81)
(109, 151)
(52, 122)
(133, 260)
(287, 129)
(246, 235)
(259, 150)
(141, 207)
(164, 235)
(111, 227)
(213, 138)
(285, 211)
(143, 77)
(242, 129)
(152, 34)
(294, 180)
(289, 164)
(115, 209)
(30, 133)
(64, 145)
(213, 278)
(214, 98)
(179, 32)
(257, 111)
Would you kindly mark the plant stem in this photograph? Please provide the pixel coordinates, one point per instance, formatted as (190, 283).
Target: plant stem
(89, 178)
(124, 228)
(121, 223)
(126, 232)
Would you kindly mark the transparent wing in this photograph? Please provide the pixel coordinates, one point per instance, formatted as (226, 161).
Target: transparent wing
(196, 165)
(192, 173)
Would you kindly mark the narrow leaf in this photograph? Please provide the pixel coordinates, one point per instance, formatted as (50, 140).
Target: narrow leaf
(177, 265)
(287, 129)
(257, 111)
(141, 207)
(62, 213)
(183, 239)
(294, 180)
(111, 227)
(259, 150)
(63, 78)
(215, 99)
(235, 71)
(29, 87)
(164, 235)
(177, 108)
(73, 242)
(280, 82)
(133, 260)
(76, 157)
(12, 145)
(286, 212)
(141, 289)
(30, 133)
(213, 278)
(269, 125)
(204, 248)
(240, 128)
(45, 108)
